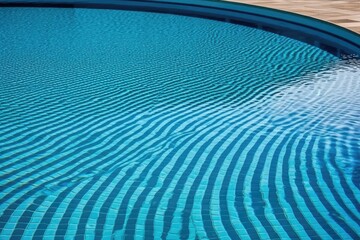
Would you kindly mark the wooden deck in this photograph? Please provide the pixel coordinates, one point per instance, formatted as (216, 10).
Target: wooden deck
(345, 13)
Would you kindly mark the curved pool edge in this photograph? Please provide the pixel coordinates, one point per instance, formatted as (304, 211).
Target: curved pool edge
(325, 35)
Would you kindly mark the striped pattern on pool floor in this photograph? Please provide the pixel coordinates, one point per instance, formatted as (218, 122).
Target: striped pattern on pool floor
(119, 124)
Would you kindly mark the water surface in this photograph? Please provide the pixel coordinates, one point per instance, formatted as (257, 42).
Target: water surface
(126, 124)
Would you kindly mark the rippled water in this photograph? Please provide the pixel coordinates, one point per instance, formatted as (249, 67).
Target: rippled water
(125, 124)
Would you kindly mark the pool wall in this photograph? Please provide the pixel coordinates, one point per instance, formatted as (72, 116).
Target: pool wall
(334, 39)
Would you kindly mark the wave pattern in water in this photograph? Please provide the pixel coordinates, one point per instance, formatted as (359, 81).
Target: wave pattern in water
(118, 124)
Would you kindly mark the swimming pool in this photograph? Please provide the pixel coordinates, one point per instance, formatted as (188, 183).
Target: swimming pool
(125, 124)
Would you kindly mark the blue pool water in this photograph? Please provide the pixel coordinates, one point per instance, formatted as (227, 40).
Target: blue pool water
(121, 124)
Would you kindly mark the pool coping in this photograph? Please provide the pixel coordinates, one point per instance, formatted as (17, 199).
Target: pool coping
(327, 36)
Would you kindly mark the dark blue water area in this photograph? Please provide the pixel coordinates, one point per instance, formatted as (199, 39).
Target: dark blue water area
(121, 124)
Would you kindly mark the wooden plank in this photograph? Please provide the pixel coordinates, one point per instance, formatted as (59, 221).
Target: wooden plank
(347, 11)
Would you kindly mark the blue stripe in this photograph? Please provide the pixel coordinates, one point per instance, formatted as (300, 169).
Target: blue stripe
(287, 141)
(300, 184)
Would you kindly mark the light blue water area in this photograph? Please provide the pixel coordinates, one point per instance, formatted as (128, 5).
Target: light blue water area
(120, 124)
